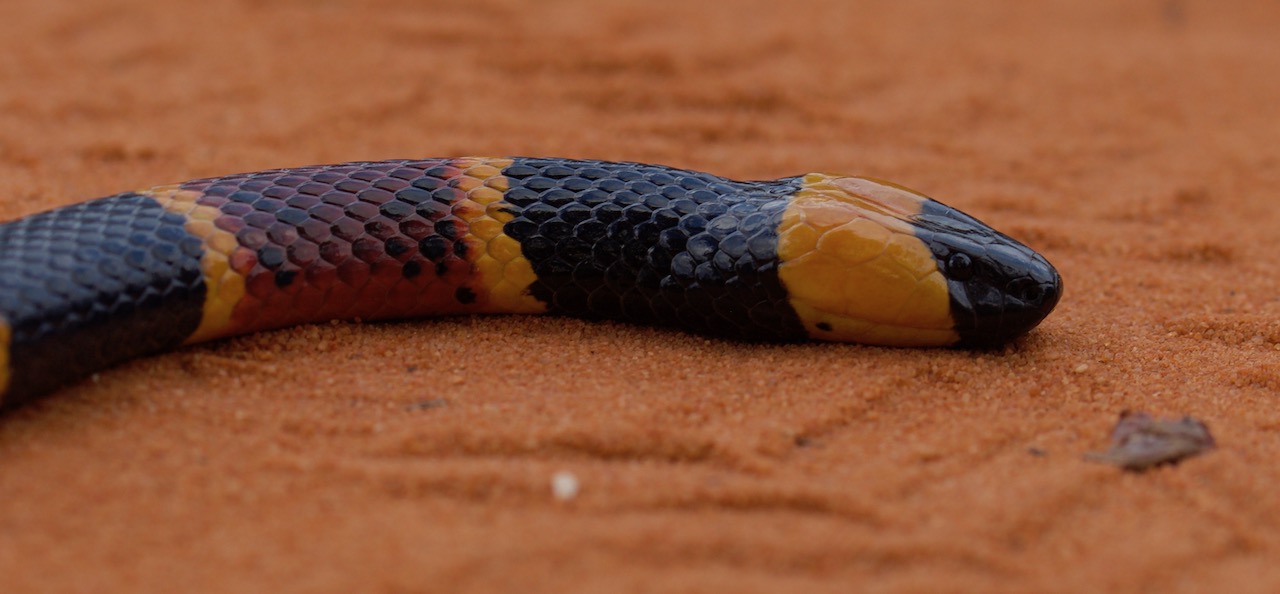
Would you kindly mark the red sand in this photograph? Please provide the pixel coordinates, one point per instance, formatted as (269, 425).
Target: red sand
(1134, 143)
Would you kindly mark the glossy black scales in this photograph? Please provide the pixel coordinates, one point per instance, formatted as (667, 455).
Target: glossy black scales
(91, 285)
(998, 287)
(654, 245)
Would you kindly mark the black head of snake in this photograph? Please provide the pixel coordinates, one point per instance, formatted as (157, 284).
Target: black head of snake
(999, 288)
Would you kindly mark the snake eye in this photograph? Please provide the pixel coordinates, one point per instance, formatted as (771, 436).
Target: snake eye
(959, 267)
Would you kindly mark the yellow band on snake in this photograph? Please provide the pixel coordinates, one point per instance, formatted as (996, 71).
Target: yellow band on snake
(839, 240)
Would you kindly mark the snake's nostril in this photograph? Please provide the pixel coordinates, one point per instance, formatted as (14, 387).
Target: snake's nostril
(1032, 294)
(1050, 292)
(1024, 290)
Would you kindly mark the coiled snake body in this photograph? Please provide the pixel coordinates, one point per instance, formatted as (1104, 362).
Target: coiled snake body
(815, 256)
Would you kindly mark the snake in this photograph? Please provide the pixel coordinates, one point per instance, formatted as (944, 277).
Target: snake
(821, 257)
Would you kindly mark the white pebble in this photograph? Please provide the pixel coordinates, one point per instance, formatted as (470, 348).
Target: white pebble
(564, 485)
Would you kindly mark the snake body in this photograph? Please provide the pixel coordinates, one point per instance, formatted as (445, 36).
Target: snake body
(814, 256)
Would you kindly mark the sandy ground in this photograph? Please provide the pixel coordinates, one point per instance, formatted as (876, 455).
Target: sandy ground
(1134, 143)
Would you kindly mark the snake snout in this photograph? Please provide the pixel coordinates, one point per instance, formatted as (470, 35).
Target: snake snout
(999, 288)
(1027, 300)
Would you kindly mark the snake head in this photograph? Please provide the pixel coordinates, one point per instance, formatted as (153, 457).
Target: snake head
(869, 261)
(998, 287)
